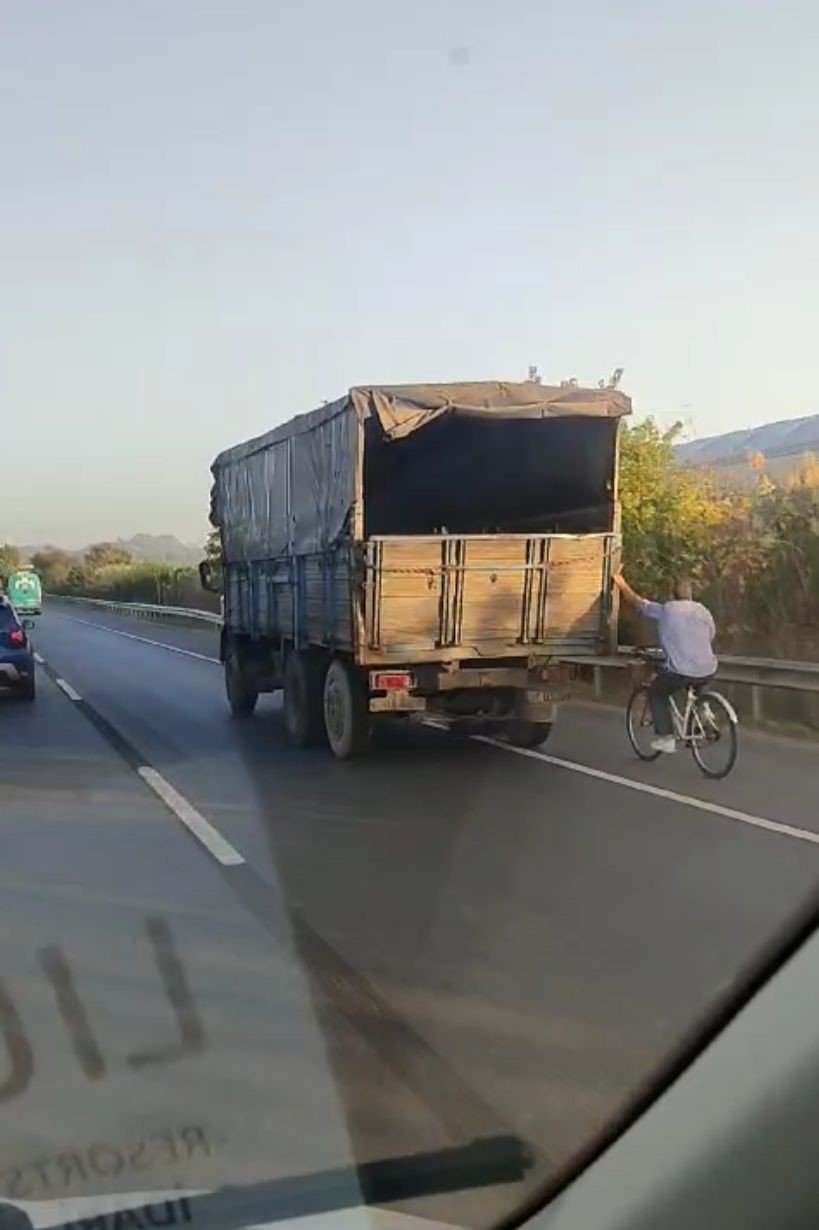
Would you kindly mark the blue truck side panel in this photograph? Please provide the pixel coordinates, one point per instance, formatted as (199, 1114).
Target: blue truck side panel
(303, 599)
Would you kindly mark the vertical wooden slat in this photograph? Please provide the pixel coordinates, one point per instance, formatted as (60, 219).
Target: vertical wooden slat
(615, 550)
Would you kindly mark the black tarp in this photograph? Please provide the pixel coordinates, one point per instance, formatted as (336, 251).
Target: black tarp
(464, 475)
(485, 457)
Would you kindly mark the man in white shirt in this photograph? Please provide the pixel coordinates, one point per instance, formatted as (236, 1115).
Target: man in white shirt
(686, 632)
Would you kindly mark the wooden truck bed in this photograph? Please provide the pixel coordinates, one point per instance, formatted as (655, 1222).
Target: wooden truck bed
(437, 598)
(494, 596)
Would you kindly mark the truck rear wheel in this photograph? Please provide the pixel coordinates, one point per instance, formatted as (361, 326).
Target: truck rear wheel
(346, 716)
(303, 711)
(527, 734)
(242, 694)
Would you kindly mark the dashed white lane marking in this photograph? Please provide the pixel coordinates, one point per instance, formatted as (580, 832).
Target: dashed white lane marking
(659, 792)
(131, 636)
(39, 659)
(196, 823)
(67, 688)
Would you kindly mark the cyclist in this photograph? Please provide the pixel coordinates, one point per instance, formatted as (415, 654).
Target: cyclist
(686, 632)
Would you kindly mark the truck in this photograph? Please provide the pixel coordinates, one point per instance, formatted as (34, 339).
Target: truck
(439, 553)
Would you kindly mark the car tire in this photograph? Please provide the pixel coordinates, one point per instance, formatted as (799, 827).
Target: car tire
(28, 690)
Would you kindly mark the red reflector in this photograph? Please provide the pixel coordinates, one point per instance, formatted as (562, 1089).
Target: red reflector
(391, 681)
(17, 637)
(564, 673)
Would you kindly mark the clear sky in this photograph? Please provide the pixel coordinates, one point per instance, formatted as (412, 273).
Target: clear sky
(217, 214)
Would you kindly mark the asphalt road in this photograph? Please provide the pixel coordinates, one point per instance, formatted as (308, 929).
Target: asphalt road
(443, 942)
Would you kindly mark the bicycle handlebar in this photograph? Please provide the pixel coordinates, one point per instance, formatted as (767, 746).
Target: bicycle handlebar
(649, 653)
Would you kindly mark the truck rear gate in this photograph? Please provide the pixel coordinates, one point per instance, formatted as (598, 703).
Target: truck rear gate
(501, 596)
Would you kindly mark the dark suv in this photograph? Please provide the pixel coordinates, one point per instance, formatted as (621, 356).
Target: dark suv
(16, 653)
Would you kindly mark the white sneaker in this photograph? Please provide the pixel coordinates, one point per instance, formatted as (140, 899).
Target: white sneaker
(664, 743)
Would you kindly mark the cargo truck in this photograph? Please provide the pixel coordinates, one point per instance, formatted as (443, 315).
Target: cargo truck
(432, 552)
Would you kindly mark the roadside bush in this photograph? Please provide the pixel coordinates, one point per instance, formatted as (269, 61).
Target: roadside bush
(754, 554)
(138, 582)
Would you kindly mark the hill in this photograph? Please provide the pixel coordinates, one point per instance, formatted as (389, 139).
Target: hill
(161, 549)
(782, 445)
(146, 548)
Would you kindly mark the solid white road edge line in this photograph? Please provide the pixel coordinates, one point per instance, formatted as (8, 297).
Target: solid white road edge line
(202, 830)
(67, 688)
(687, 800)
(130, 636)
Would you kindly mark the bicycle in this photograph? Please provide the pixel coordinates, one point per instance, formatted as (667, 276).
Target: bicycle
(707, 726)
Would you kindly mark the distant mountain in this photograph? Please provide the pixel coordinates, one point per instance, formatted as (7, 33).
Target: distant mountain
(161, 549)
(789, 439)
(149, 548)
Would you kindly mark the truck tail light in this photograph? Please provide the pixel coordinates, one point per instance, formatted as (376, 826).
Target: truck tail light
(391, 681)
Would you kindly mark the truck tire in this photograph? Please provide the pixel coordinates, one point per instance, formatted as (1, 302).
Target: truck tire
(527, 734)
(241, 693)
(303, 698)
(346, 717)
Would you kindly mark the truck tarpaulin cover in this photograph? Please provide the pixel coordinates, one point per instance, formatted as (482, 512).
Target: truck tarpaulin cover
(438, 456)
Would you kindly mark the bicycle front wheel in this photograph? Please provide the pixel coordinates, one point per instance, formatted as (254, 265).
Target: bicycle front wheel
(639, 726)
(713, 734)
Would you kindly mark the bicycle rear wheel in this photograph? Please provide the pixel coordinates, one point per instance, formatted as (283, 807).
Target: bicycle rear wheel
(713, 734)
(639, 725)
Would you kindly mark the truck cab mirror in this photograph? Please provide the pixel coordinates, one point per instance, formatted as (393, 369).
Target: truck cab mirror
(206, 578)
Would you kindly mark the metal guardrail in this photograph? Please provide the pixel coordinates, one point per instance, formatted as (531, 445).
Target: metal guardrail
(755, 673)
(143, 610)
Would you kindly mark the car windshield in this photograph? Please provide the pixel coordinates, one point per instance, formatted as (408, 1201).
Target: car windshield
(408, 653)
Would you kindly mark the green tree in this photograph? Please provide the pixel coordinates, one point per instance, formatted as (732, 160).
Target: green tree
(53, 565)
(754, 552)
(77, 579)
(9, 560)
(213, 555)
(104, 554)
(669, 513)
(213, 548)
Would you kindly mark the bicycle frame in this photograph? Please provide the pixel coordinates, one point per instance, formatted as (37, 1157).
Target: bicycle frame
(684, 721)
(688, 727)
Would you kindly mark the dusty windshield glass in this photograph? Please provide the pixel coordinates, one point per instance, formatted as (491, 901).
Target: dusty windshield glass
(377, 380)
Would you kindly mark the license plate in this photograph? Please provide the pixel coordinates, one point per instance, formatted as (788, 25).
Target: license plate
(397, 702)
(540, 698)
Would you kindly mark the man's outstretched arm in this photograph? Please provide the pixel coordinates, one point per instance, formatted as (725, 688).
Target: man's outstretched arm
(629, 595)
(652, 609)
